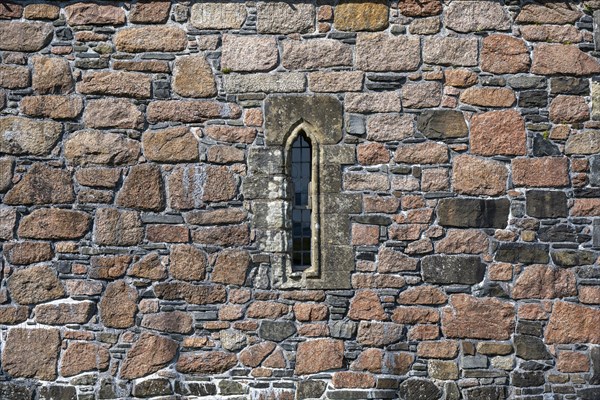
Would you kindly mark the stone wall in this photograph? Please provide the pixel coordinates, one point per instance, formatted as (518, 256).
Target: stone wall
(137, 263)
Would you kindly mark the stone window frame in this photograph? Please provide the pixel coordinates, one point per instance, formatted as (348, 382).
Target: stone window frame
(266, 186)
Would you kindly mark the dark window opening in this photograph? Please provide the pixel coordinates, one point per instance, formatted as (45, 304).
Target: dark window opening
(301, 170)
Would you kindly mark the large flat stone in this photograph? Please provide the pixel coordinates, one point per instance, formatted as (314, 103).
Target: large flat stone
(444, 269)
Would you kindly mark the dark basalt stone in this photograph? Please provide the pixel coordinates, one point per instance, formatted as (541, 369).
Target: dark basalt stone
(443, 269)
(276, 330)
(595, 170)
(527, 378)
(544, 147)
(531, 348)
(486, 393)
(473, 213)
(572, 258)
(546, 204)
(442, 124)
(152, 387)
(569, 85)
(533, 99)
(525, 253)
(557, 233)
(419, 389)
(310, 389)
(11, 390)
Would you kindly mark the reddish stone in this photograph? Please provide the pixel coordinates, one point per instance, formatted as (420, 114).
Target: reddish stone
(378, 334)
(380, 204)
(459, 77)
(35, 285)
(390, 260)
(98, 177)
(149, 267)
(190, 111)
(573, 323)
(488, 97)
(234, 235)
(24, 253)
(354, 380)
(167, 233)
(372, 154)
(191, 293)
(502, 54)
(415, 315)
(548, 12)
(31, 353)
(10, 315)
(10, 10)
(188, 263)
(397, 363)
(84, 357)
(172, 322)
(368, 360)
(586, 208)
(311, 312)
(498, 133)
(230, 312)
(52, 223)
(541, 171)
(569, 109)
(225, 155)
(275, 360)
(366, 306)
(118, 305)
(253, 355)
(365, 235)
(94, 14)
(551, 33)
(500, 272)
(64, 313)
(142, 189)
(42, 185)
(589, 294)
(445, 349)
(478, 176)
(121, 84)
(473, 318)
(559, 59)
(532, 311)
(423, 332)
(545, 282)
(469, 241)
(571, 361)
(149, 354)
(422, 153)
(420, 8)
(265, 309)
(216, 217)
(109, 267)
(231, 267)
(51, 106)
(150, 12)
(231, 134)
(206, 362)
(425, 295)
(319, 355)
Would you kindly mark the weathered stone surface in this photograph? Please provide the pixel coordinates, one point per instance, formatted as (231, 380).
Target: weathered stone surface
(112, 113)
(91, 146)
(151, 38)
(279, 82)
(314, 54)
(31, 353)
(206, 362)
(353, 15)
(460, 77)
(231, 266)
(51, 75)
(11, 10)
(319, 355)
(420, 8)
(117, 228)
(547, 12)
(149, 11)
(550, 59)
(118, 305)
(421, 95)
(544, 282)
(192, 293)
(478, 176)
(149, 267)
(190, 187)
(336, 81)
(123, 84)
(573, 258)
(64, 313)
(253, 355)
(109, 267)
(551, 33)
(422, 153)
(389, 127)
(11, 315)
(246, 53)
(366, 306)
(170, 145)
(187, 263)
(173, 322)
(540, 172)
(142, 188)
(235, 235)
(569, 109)
(418, 389)
(382, 52)
(14, 77)
(231, 134)
(473, 213)
(587, 142)
(149, 354)
(488, 97)
(190, 111)
(35, 285)
(42, 185)
(354, 380)
(476, 16)
(450, 51)
(452, 269)
(193, 77)
(470, 317)
(498, 133)
(571, 361)
(442, 124)
(425, 295)
(6, 174)
(573, 323)
(94, 14)
(25, 36)
(276, 331)
(546, 204)
(283, 18)
(52, 106)
(468, 241)
(217, 15)
(526, 253)
(84, 357)
(53, 223)
(20, 135)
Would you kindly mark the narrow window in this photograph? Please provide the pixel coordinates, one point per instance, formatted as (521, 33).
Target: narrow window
(300, 188)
